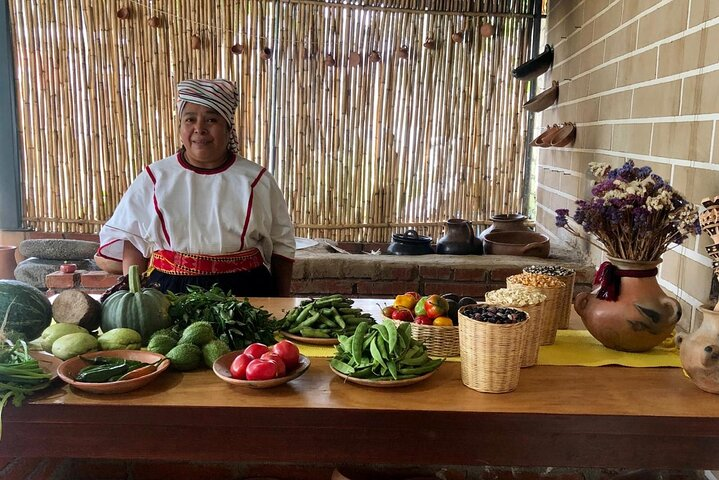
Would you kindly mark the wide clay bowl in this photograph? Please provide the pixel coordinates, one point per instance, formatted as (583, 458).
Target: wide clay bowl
(69, 369)
(221, 367)
(528, 244)
(543, 100)
(535, 67)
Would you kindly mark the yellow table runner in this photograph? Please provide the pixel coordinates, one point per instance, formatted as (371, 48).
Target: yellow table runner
(572, 347)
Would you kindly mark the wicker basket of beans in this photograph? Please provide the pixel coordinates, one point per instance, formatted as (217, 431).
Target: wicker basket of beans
(491, 341)
(567, 275)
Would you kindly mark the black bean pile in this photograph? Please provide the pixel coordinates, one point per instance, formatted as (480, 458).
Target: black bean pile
(498, 315)
(551, 270)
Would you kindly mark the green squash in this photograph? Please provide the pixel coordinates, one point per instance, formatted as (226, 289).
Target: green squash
(144, 310)
(27, 309)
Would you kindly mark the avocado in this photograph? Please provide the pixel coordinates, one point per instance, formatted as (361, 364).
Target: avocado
(161, 344)
(452, 310)
(451, 296)
(466, 301)
(213, 350)
(198, 333)
(185, 356)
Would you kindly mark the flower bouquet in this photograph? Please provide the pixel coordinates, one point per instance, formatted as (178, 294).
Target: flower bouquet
(633, 212)
(636, 216)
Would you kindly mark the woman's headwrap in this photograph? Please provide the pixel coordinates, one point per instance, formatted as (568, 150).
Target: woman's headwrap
(219, 94)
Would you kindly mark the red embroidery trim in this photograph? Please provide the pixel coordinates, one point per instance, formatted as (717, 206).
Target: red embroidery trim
(157, 206)
(178, 263)
(249, 208)
(609, 277)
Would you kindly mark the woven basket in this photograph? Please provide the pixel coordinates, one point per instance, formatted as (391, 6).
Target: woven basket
(530, 352)
(491, 354)
(439, 341)
(550, 312)
(567, 297)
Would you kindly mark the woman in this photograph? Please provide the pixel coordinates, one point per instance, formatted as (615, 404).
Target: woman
(204, 215)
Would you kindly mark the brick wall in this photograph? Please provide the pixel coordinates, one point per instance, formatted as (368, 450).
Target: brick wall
(319, 272)
(641, 81)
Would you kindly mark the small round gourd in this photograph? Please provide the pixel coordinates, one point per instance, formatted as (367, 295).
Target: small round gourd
(144, 310)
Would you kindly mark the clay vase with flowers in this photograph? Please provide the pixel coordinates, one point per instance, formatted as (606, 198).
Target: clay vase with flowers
(634, 216)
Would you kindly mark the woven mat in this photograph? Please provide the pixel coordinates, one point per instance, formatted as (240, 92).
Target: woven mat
(572, 347)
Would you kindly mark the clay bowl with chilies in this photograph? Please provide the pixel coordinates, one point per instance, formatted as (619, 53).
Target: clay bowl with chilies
(526, 244)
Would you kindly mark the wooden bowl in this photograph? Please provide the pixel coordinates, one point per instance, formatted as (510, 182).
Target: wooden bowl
(528, 244)
(221, 367)
(544, 99)
(69, 369)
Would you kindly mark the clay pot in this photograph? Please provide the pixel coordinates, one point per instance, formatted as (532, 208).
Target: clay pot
(525, 244)
(410, 243)
(564, 136)
(535, 67)
(123, 13)
(374, 56)
(238, 49)
(7, 262)
(486, 30)
(266, 53)
(457, 37)
(195, 42)
(154, 22)
(330, 61)
(403, 51)
(354, 59)
(699, 352)
(543, 100)
(429, 43)
(505, 222)
(642, 316)
(458, 238)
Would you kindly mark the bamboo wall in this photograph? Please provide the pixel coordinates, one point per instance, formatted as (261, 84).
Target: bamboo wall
(360, 151)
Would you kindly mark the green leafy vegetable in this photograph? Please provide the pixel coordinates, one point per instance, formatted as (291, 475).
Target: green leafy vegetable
(235, 322)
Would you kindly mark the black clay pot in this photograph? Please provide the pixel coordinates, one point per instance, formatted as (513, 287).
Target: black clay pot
(410, 243)
(533, 68)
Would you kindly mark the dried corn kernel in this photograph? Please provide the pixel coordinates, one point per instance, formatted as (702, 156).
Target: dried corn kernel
(515, 297)
(535, 280)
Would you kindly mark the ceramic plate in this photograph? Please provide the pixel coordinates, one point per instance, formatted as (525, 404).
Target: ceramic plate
(47, 362)
(69, 369)
(383, 383)
(301, 243)
(221, 367)
(309, 340)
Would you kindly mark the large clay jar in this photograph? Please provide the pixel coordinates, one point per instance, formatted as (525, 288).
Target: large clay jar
(505, 222)
(458, 238)
(699, 352)
(641, 317)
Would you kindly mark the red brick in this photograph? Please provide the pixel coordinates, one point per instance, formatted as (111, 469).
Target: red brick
(98, 279)
(397, 272)
(499, 274)
(322, 286)
(461, 289)
(20, 468)
(435, 273)
(183, 471)
(389, 289)
(59, 280)
(470, 274)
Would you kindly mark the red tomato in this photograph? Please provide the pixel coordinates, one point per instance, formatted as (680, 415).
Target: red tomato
(288, 352)
(68, 267)
(402, 314)
(261, 369)
(281, 366)
(239, 366)
(255, 350)
(423, 320)
(436, 306)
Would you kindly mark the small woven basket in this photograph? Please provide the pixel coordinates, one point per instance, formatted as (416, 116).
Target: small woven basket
(550, 312)
(439, 341)
(491, 354)
(567, 299)
(530, 352)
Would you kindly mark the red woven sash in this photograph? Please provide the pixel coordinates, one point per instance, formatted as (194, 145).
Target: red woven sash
(609, 279)
(178, 263)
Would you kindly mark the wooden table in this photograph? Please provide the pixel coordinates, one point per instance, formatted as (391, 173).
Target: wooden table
(558, 416)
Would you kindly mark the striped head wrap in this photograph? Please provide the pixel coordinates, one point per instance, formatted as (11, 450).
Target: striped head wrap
(219, 94)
